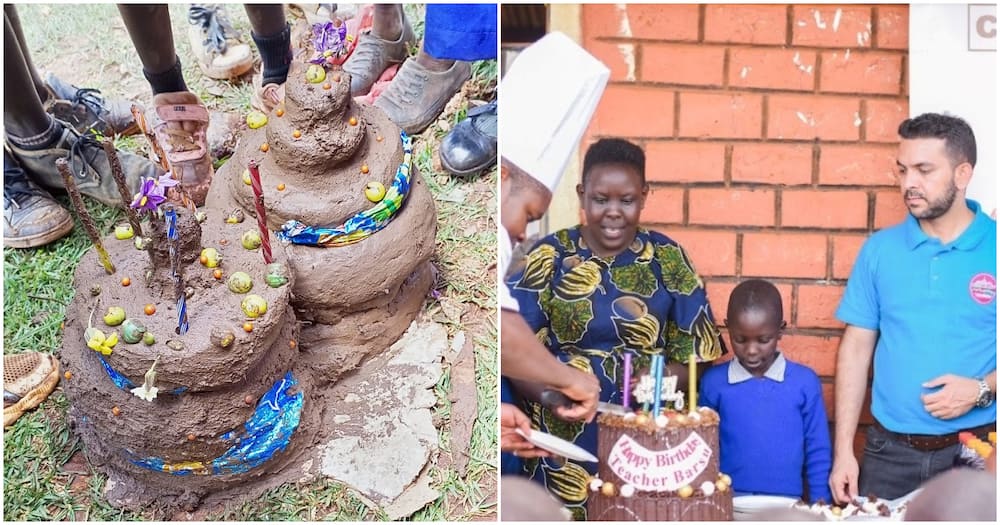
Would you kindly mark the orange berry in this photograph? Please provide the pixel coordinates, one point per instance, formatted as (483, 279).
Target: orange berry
(292, 343)
(297, 134)
(326, 85)
(68, 375)
(281, 187)
(223, 242)
(191, 437)
(248, 327)
(116, 411)
(364, 168)
(279, 112)
(150, 309)
(352, 121)
(378, 138)
(126, 281)
(217, 273)
(203, 259)
(248, 400)
(264, 147)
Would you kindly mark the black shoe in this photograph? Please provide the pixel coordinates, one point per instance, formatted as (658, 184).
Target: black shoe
(31, 216)
(472, 145)
(85, 109)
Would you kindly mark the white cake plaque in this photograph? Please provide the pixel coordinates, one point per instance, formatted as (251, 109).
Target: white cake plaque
(659, 470)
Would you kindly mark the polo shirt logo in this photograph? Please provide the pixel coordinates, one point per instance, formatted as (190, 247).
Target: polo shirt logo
(983, 288)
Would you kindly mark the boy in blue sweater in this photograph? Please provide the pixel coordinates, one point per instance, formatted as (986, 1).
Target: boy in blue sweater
(772, 424)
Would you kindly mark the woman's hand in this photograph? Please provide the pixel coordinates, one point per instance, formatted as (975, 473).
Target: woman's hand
(512, 419)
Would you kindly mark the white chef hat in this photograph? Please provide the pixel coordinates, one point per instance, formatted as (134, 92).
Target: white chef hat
(546, 100)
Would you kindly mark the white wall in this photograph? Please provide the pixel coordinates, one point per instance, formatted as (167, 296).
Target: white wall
(953, 69)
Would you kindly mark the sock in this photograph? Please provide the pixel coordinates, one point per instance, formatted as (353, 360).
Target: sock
(275, 55)
(43, 140)
(170, 81)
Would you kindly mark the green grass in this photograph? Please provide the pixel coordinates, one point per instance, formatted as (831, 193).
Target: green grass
(88, 46)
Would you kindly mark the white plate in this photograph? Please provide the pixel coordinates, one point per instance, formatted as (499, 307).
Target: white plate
(748, 504)
(557, 446)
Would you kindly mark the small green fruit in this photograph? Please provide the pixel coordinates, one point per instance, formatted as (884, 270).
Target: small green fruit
(250, 240)
(148, 338)
(239, 282)
(254, 306)
(256, 120)
(210, 257)
(375, 191)
(133, 331)
(276, 276)
(315, 74)
(124, 231)
(114, 316)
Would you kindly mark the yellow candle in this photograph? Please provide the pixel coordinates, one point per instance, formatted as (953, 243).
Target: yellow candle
(692, 387)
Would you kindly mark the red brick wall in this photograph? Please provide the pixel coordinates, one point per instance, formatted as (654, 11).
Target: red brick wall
(770, 136)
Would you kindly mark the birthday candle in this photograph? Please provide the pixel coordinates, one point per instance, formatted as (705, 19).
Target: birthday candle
(658, 385)
(692, 380)
(258, 200)
(85, 218)
(627, 387)
(172, 238)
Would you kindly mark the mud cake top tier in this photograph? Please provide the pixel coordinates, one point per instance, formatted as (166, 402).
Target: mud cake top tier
(320, 125)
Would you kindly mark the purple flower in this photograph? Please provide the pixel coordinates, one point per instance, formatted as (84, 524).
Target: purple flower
(151, 194)
(328, 37)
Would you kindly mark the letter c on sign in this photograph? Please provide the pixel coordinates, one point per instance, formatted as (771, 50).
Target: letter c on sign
(983, 22)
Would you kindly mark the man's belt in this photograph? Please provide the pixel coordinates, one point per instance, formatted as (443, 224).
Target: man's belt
(927, 442)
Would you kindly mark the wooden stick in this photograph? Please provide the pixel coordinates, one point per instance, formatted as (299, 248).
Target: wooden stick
(85, 218)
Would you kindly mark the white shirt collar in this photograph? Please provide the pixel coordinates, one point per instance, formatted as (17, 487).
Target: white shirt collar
(739, 374)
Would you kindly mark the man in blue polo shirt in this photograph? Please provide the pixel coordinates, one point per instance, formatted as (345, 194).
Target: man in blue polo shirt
(922, 299)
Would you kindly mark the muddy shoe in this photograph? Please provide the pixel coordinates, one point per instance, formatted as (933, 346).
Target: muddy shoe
(85, 109)
(89, 165)
(418, 95)
(31, 216)
(215, 43)
(266, 97)
(179, 123)
(28, 379)
(374, 55)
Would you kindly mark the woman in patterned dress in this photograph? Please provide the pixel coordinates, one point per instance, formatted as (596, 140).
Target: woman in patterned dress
(597, 290)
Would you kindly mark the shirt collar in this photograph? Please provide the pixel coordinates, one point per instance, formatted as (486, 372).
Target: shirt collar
(970, 238)
(739, 374)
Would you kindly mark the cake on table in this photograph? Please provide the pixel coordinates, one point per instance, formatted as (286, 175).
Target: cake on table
(659, 469)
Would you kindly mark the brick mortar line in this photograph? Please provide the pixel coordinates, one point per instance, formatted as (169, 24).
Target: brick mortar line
(749, 45)
(714, 140)
(702, 88)
(739, 229)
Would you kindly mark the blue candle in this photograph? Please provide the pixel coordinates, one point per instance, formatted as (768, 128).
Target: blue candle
(172, 238)
(658, 385)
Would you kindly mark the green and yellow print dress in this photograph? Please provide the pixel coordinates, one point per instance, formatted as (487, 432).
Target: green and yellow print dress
(589, 310)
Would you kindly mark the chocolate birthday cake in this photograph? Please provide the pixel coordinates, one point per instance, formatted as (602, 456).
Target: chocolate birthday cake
(659, 470)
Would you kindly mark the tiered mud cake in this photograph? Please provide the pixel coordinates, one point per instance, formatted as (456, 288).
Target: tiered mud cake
(173, 407)
(665, 470)
(329, 164)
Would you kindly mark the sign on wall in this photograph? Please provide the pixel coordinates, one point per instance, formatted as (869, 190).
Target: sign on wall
(953, 70)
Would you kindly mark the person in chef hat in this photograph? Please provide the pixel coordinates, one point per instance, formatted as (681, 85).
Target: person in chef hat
(547, 98)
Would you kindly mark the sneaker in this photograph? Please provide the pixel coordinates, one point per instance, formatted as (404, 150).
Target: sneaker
(374, 55)
(88, 162)
(85, 109)
(215, 43)
(28, 379)
(31, 216)
(472, 145)
(418, 95)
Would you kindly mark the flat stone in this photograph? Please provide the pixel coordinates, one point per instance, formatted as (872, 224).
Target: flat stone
(384, 446)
